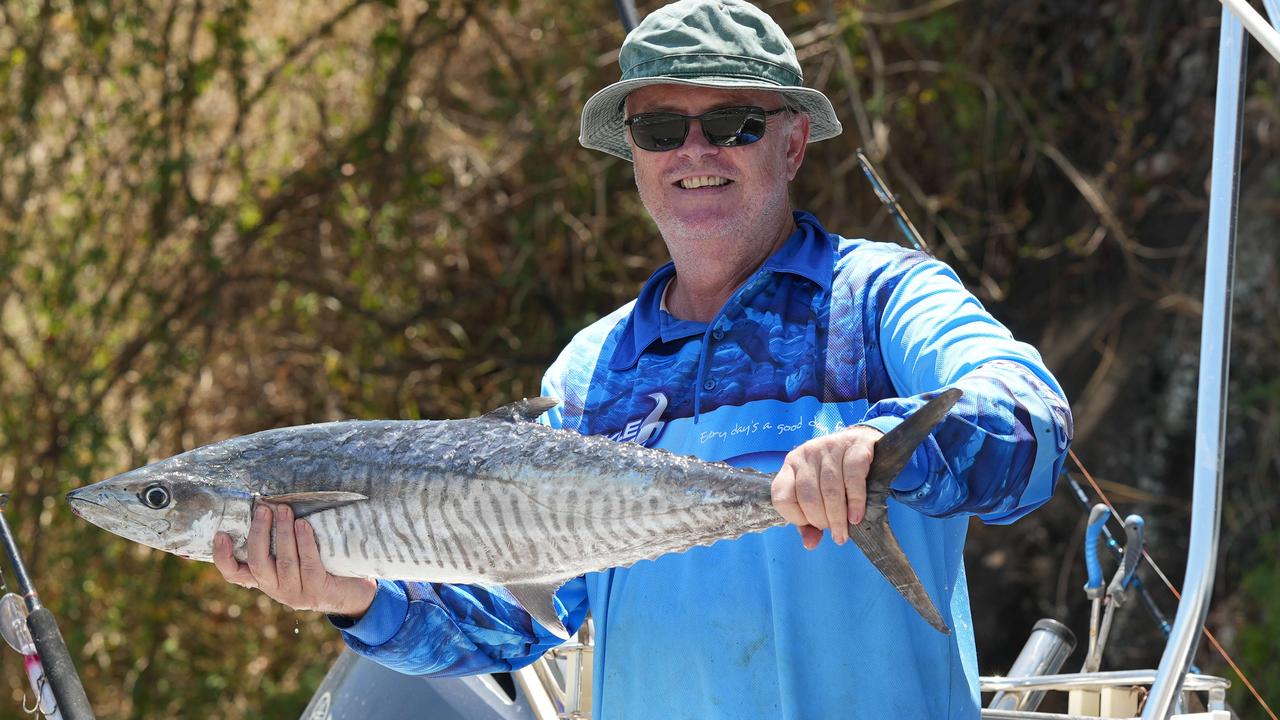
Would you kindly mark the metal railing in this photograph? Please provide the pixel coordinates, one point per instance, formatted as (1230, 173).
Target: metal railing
(1215, 337)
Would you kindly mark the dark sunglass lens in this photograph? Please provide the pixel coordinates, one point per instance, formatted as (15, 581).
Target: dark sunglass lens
(734, 126)
(659, 132)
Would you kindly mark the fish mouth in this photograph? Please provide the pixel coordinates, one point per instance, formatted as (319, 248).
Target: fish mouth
(82, 506)
(101, 513)
(76, 500)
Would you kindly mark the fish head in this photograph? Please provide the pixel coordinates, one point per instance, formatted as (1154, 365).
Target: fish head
(174, 505)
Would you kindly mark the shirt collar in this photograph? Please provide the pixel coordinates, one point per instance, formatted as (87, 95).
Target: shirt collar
(807, 253)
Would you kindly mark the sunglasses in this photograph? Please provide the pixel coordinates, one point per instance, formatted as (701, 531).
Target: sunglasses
(725, 127)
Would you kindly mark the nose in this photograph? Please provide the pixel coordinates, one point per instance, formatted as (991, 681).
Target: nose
(696, 144)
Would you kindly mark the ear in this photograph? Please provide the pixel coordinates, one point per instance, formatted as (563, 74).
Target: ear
(797, 141)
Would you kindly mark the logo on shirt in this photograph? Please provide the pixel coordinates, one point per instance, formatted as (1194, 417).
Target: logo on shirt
(643, 431)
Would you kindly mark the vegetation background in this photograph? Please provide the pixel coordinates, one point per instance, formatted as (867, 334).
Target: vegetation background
(220, 216)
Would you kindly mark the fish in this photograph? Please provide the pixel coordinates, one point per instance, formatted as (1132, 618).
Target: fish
(496, 500)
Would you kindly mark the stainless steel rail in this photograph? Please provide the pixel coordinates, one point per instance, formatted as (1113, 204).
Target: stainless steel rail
(1215, 337)
(1266, 35)
(1097, 681)
(1030, 715)
(1273, 12)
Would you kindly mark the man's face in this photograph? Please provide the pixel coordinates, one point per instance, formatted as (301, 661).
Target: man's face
(747, 196)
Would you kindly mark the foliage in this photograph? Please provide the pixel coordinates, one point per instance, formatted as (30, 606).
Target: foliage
(218, 216)
(1260, 625)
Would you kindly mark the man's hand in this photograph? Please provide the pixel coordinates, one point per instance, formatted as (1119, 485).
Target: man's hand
(294, 576)
(823, 484)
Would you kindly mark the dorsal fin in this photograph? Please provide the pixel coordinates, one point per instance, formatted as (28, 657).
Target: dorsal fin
(524, 410)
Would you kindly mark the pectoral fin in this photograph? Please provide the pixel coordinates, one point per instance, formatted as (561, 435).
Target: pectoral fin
(310, 503)
(537, 600)
(873, 535)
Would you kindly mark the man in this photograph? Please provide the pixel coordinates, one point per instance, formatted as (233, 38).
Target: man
(767, 342)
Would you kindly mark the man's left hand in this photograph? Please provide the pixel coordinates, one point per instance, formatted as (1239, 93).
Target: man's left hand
(823, 484)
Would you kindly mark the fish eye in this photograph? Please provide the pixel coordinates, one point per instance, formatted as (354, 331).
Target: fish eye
(155, 497)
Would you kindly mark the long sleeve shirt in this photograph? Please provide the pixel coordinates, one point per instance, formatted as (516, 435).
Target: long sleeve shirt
(829, 332)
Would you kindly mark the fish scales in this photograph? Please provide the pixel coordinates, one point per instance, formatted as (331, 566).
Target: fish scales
(466, 474)
(490, 500)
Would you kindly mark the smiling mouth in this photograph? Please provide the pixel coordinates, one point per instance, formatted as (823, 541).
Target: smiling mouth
(702, 181)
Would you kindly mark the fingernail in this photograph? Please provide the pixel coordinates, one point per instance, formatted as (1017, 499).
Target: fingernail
(263, 512)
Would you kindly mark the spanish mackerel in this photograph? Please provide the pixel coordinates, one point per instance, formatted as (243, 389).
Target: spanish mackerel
(493, 500)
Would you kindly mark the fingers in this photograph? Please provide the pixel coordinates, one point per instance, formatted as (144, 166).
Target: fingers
(318, 586)
(233, 571)
(261, 563)
(783, 493)
(822, 484)
(832, 487)
(808, 492)
(311, 567)
(810, 536)
(294, 574)
(856, 462)
(794, 493)
(288, 582)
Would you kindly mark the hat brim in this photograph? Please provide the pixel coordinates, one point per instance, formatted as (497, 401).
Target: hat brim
(602, 116)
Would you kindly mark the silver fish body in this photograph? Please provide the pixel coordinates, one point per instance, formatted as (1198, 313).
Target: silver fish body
(493, 500)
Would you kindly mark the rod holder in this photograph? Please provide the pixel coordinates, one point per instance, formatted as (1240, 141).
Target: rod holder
(1047, 648)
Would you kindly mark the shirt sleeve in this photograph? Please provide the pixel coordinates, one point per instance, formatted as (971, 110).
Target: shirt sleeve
(999, 451)
(444, 630)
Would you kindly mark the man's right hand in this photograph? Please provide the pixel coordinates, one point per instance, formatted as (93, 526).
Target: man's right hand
(294, 576)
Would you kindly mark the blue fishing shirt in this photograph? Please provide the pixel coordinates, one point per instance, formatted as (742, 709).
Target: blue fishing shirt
(830, 332)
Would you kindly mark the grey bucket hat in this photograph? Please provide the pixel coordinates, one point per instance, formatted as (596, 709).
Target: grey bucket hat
(708, 43)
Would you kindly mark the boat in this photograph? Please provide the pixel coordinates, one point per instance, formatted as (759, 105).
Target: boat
(559, 686)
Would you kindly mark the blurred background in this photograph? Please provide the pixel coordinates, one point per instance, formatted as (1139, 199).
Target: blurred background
(221, 216)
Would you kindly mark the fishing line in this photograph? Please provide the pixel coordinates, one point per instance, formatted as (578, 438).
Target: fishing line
(1150, 561)
(890, 202)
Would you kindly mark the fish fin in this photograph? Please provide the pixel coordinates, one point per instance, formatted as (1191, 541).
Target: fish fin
(878, 543)
(538, 599)
(894, 450)
(528, 409)
(873, 535)
(310, 503)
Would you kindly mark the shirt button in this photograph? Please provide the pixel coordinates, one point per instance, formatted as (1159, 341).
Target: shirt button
(717, 334)
(709, 385)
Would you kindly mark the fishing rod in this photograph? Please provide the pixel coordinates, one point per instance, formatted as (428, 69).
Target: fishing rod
(50, 648)
(890, 202)
(627, 14)
(1171, 633)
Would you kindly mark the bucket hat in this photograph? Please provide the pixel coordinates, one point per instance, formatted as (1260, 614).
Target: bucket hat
(728, 44)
